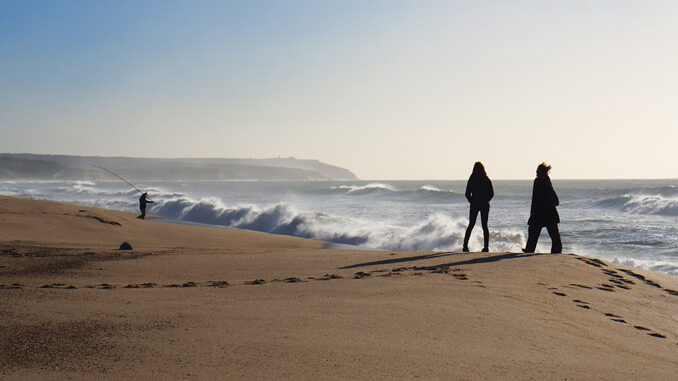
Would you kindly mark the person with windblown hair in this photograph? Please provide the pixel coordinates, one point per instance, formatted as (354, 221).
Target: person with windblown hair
(543, 212)
(479, 192)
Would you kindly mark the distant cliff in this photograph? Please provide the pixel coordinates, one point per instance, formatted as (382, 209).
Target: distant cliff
(62, 167)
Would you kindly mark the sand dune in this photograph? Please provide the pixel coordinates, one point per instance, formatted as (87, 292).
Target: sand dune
(206, 303)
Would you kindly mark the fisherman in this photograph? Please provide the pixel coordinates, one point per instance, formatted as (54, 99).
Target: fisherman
(142, 204)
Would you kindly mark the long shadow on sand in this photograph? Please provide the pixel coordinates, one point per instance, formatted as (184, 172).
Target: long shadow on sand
(487, 259)
(400, 260)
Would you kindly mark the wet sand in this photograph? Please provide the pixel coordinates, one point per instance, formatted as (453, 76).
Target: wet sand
(206, 303)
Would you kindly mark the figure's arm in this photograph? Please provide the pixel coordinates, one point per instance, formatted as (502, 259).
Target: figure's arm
(491, 190)
(468, 190)
(556, 202)
(533, 206)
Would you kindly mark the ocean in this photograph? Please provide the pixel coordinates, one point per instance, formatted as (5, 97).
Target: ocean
(632, 222)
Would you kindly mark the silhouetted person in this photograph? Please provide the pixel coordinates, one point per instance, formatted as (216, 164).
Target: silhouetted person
(479, 192)
(142, 204)
(543, 212)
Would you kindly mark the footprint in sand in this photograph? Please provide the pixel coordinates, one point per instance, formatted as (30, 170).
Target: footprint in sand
(616, 318)
(641, 328)
(145, 285)
(619, 284)
(330, 276)
(254, 282)
(581, 304)
(217, 283)
(558, 293)
(59, 286)
(606, 287)
(592, 262)
(612, 273)
(580, 286)
(293, 280)
(13, 286)
(655, 334)
(361, 274)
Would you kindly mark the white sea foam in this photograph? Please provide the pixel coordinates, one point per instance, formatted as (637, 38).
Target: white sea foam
(652, 265)
(366, 189)
(642, 204)
(438, 232)
(429, 188)
(652, 204)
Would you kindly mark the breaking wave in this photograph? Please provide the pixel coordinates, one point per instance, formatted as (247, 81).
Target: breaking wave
(425, 193)
(366, 189)
(652, 265)
(643, 204)
(429, 188)
(438, 232)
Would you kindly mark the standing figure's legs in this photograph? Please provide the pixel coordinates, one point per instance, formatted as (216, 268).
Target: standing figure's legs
(556, 244)
(143, 213)
(484, 215)
(533, 233)
(473, 215)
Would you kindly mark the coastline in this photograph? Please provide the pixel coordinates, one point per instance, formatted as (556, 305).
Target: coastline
(205, 302)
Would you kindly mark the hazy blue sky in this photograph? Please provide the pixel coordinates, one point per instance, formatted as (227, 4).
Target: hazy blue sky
(389, 89)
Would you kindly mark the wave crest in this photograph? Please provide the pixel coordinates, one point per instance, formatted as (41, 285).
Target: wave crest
(652, 265)
(438, 232)
(642, 204)
(366, 189)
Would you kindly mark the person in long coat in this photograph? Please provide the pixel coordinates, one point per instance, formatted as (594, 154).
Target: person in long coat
(543, 212)
(479, 192)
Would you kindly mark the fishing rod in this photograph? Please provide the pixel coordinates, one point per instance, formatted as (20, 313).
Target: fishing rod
(120, 177)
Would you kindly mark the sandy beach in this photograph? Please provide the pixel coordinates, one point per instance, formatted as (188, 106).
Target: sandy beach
(192, 302)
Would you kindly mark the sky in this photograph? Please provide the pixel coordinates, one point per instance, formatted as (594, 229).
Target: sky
(388, 89)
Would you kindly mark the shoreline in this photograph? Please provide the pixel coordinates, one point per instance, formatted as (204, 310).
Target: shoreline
(633, 262)
(207, 302)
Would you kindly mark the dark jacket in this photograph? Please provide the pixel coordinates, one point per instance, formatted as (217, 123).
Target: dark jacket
(544, 201)
(479, 191)
(143, 201)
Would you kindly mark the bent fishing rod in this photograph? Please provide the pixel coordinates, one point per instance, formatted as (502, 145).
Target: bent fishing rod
(121, 178)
